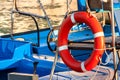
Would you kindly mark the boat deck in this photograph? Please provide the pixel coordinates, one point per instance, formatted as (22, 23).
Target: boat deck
(98, 73)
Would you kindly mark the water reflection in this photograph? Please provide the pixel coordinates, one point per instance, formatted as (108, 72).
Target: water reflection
(22, 23)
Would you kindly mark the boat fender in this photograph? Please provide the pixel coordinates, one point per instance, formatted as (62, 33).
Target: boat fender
(99, 45)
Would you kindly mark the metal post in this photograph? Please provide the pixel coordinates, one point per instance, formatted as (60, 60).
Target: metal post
(113, 39)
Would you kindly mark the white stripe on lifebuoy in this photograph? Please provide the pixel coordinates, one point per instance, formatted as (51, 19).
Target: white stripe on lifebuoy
(64, 47)
(98, 34)
(83, 67)
(72, 18)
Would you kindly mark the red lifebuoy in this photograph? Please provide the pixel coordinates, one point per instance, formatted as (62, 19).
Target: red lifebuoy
(93, 60)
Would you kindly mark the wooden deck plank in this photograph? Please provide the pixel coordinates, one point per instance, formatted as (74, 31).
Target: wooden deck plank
(90, 43)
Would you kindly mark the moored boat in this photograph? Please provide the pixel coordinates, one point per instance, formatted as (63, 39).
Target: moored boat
(33, 56)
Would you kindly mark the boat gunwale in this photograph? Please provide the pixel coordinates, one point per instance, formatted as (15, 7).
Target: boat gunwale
(22, 33)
